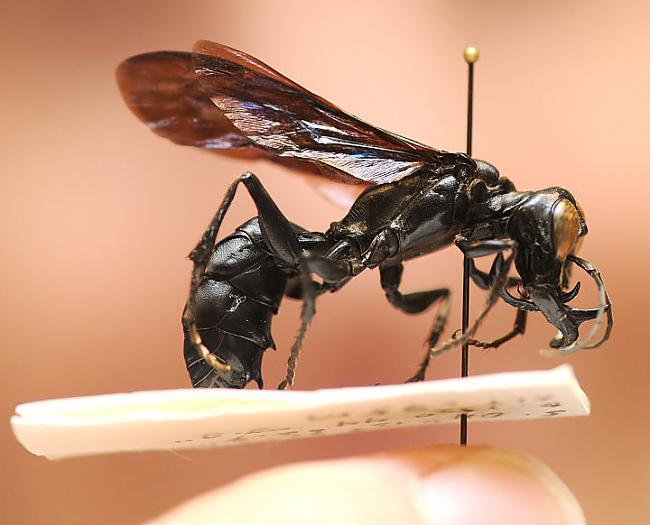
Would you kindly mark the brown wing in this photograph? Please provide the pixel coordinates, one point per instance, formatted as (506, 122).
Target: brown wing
(177, 95)
(281, 117)
(163, 91)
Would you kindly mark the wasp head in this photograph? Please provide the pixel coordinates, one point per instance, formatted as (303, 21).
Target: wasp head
(549, 228)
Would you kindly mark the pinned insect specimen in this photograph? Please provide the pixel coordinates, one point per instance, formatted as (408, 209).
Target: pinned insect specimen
(417, 200)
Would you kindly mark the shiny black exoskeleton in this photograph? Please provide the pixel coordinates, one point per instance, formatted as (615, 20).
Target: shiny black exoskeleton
(240, 291)
(418, 200)
(249, 272)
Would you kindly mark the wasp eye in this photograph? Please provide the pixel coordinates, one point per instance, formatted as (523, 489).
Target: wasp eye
(566, 228)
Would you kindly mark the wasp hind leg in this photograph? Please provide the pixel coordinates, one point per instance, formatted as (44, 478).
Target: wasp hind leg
(200, 256)
(413, 303)
(308, 310)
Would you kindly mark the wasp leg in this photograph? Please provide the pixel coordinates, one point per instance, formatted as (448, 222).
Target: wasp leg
(413, 303)
(498, 281)
(335, 274)
(306, 315)
(485, 280)
(474, 249)
(432, 340)
(518, 329)
(276, 228)
(200, 256)
(482, 279)
(281, 240)
(384, 245)
(332, 271)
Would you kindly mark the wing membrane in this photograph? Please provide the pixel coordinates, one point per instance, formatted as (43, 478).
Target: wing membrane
(226, 101)
(162, 90)
(281, 117)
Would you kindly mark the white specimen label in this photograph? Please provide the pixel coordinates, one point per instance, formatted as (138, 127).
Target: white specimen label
(181, 419)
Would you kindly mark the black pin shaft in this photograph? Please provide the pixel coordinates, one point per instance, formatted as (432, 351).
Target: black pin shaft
(471, 55)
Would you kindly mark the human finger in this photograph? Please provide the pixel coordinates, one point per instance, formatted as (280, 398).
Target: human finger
(444, 485)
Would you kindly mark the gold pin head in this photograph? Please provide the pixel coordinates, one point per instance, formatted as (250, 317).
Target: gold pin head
(470, 54)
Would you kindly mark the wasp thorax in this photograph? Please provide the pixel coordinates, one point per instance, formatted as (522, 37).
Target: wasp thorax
(486, 172)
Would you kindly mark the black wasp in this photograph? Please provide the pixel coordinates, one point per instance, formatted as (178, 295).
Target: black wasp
(417, 200)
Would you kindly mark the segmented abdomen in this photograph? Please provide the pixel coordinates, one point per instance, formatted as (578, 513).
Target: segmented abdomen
(240, 292)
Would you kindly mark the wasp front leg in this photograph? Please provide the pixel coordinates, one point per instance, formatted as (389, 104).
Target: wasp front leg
(518, 328)
(474, 249)
(500, 268)
(484, 281)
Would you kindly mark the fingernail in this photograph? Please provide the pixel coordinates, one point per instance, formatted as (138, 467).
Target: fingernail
(482, 485)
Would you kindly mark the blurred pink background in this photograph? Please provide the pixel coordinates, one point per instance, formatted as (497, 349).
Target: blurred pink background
(98, 214)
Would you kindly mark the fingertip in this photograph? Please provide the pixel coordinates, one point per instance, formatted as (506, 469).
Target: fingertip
(442, 485)
(341, 492)
(469, 485)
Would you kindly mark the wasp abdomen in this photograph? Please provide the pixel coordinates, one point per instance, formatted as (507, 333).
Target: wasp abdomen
(240, 291)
